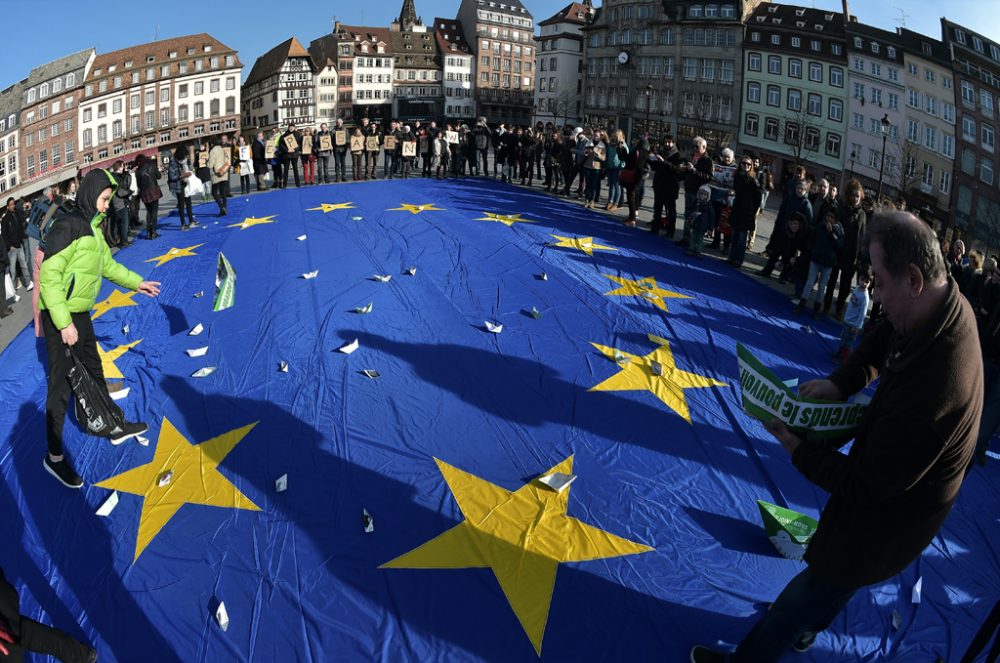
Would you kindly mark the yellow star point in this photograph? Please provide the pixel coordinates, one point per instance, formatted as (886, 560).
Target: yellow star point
(116, 299)
(253, 221)
(646, 288)
(506, 219)
(415, 209)
(195, 480)
(585, 244)
(522, 535)
(175, 253)
(329, 207)
(639, 374)
(111, 371)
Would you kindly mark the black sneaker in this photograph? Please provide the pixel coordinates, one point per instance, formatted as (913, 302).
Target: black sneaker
(63, 472)
(804, 643)
(119, 435)
(700, 654)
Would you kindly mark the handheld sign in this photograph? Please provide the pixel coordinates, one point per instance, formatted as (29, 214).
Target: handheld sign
(307, 146)
(340, 137)
(357, 143)
(325, 144)
(390, 143)
(290, 143)
(451, 137)
(203, 159)
(409, 149)
(371, 143)
(269, 150)
(788, 530)
(245, 154)
(599, 152)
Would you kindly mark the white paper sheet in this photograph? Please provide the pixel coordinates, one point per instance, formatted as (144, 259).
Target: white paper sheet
(350, 347)
(109, 505)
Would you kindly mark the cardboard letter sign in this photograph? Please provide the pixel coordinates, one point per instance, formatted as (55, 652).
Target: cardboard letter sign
(371, 144)
(325, 144)
(307, 145)
(390, 143)
(269, 150)
(451, 137)
(357, 143)
(340, 136)
(203, 159)
(291, 144)
(409, 149)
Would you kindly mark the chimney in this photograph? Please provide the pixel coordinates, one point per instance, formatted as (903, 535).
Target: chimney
(847, 14)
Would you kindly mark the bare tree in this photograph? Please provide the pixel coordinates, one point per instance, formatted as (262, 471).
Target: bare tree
(802, 133)
(700, 108)
(899, 172)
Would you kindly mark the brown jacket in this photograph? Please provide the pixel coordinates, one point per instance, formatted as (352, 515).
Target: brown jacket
(891, 493)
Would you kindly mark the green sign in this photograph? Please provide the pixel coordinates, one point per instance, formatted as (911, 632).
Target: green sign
(789, 531)
(766, 397)
(225, 284)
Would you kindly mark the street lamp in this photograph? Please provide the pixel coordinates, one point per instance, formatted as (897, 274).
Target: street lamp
(649, 98)
(854, 157)
(886, 124)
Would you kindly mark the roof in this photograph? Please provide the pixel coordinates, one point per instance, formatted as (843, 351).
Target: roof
(575, 12)
(420, 46)
(872, 35)
(913, 42)
(512, 7)
(271, 62)
(160, 51)
(361, 34)
(10, 99)
(788, 17)
(448, 33)
(63, 65)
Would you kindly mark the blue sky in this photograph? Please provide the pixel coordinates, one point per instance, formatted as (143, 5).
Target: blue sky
(254, 26)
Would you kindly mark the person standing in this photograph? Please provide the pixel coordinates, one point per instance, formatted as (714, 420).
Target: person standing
(258, 150)
(340, 151)
(746, 204)
(276, 160)
(76, 260)
(219, 163)
(149, 192)
(178, 172)
(528, 145)
(407, 161)
(390, 164)
(119, 205)
(308, 157)
(892, 492)
(825, 242)
(666, 187)
(323, 155)
(245, 155)
(289, 147)
(481, 140)
(12, 229)
(853, 219)
(370, 131)
(697, 172)
(357, 154)
(593, 162)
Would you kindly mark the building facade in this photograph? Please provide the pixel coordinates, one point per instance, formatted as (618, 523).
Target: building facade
(418, 91)
(975, 197)
(327, 87)
(10, 118)
(795, 89)
(48, 139)
(666, 68)
(458, 70)
(559, 65)
(280, 89)
(151, 98)
(876, 95)
(928, 133)
(501, 35)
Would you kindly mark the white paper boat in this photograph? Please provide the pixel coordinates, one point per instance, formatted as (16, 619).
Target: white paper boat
(109, 505)
(173, 252)
(383, 278)
(535, 313)
(301, 237)
(917, 590)
(283, 366)
(412, 271)
(371, 374)
(364, 309)
(349, 348)
(621, 358)
(545, 277)
(557, 481)
(165, 478)
(366, 519)
(493, 328)
(656, 367)
(281, 483)
(311, 275)
(198, 328)
(143, 441)
(222, 616)
(197, 352)
(120, 394)
(203, 372)
(200, 293)
(125, 329)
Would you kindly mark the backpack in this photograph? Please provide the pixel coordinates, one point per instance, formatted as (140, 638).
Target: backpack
(481, 142)
(40, 218)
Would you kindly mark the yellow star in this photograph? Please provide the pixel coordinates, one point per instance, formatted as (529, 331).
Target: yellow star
(640, 374)
(415, 209)
(506, 219)
(522, 535)
(329, 207)
(195, 480)
(585, 244)
(646, 289)
(116, 299)
(108, 359)
(174, 253)
(253, 221)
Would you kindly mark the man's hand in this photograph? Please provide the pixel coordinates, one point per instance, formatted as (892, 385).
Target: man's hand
(149, 288)
(5, 636)
(788, 439)
(69, 335)
(824, 390)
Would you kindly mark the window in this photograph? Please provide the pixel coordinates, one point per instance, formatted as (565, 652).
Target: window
(791, 133)
(948, 113)
(164, 95)
(771, 129)
(708, 70)
(858, 121)
(948, 146)
(751, 125)
(150, 97)
(815, 105)
(969, 129)
(753, 92)
(876, 96)
(836, 111)
(755, 36)
(930, 105)
(794, 100)
(945, 182)
(88, 137)
(874, 158)
(893, 74)
(927, 175)
(753, 61)
(87, 115)
(913, 99)
(968, 94)
(213, 85)
(987, 136)
(199, 88)
(116, 106)
(985, 170)
(968, 162)
(833, 145)
(773, 96)
(690, 69)
(774, 64)
(858, 64)
(796, 42)
(986, 103)
(930, 137)
(776, 40)
(836, 77)
(812, 139)
(795, 68)
(893, 101)
(912, 131)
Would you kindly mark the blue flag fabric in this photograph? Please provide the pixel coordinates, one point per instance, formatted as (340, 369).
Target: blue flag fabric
(656, 546)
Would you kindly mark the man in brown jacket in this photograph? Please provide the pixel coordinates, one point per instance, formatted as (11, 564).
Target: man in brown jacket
(891, 493)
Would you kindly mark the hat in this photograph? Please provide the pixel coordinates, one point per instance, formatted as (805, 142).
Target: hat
(406, 128)
(704, 188)
(577, 131)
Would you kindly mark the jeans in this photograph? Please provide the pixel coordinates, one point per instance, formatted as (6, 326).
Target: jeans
(614, 188)
(697, 229)
(805, 607)
(846, 277)
(593, 180)
(184, 205)
(738, 247)
(991, 407)
(818, 275)
(664, 214)
(323, 168)
(151, 211)
(340, 165)
(387, 164)
(290, 162)
(16, 257)
(219, 194)
(29, 245)
(357, 170)
(371, 162)
(848, 335)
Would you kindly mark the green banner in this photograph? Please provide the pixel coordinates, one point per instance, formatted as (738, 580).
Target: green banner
(225, 284)
(766, 397)
(789, 531)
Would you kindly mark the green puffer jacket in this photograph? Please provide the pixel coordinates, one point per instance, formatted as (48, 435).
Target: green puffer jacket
(76, 259)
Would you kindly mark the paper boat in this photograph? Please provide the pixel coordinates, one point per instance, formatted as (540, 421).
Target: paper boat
(165, 478)
(535, 313)
(203, 372)
(143, 441)
(300, 237)
(197, 352)
(222, 616)
(493, 328)
(364, 309)
(349, 348)
(200, 293)
(120, 394)
(367, 521)
(372, 374)
(412, 271)
(125, 329)
(283, 366)
(557, 481)
(788, 530)
(281, 483)
(311, 275)
(198, 328)
(383, 278)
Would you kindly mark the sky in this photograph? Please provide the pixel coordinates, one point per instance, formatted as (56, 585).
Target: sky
(253, 27)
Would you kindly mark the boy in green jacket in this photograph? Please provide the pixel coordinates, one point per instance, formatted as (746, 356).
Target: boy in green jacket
(76, 259)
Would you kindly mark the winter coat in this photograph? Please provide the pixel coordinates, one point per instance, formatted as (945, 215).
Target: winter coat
(12, 229)
(791, 204)
(148, 175)
(702, 174)
(746, 202)
(283, 149)
(77, 257)
(854, 222)
(826, 244)
(218, 160)
(174, 181)
(667, 176)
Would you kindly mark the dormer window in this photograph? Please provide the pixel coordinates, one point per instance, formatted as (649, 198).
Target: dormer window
(875, 47)
(207, 48)
(173, 54)
(772, 8)
(150, 58)
(128, 64)
(829, 17)
(818, 27)
(857, 42)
